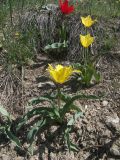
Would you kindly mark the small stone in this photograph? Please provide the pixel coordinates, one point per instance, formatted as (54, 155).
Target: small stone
(84, 144)
(40, 85)
(105, 103)
(86, 155)
(92, 142)
(86, 107)
(51, 7)
(52, 156)
(51, 84)
(85, 121)
(89, 128)
(12, 145)
(118, 142)
(5, 157)
(34, 158)
(19, 158)
(113, 122)
(107, 141)
(115, 150)
(113, 119)
(46, 85)
(107, 133)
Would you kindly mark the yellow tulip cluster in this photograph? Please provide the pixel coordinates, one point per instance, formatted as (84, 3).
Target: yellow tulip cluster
(87, 40)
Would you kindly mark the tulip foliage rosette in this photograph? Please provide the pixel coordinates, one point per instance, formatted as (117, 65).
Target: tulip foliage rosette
(55, 113)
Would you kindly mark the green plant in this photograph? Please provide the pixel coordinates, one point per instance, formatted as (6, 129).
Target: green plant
(54, 115)
(57, 110)
(17, 46)
(102, 8)
(6, 127)
(60, 111)
(63, 33)
(57, 50)
(89, 75)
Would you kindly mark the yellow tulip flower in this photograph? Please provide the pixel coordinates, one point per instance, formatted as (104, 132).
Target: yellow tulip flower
(86, 40)
(60, 74)
(88, 21)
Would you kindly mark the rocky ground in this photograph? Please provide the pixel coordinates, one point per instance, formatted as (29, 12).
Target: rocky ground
(98, 131)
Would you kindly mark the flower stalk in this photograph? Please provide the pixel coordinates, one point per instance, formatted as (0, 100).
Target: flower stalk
(59, 97)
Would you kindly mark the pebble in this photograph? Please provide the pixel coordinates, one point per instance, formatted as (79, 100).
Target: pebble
(19, 158)
(105, 103)
(5, 157)
(34, 158)
(89, 128)
(84, 144)
(47, 85)
(86, 155)
(85, 121)
(115, 150)
(113, 121)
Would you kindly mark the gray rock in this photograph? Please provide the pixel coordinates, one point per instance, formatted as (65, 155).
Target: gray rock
(46, 85)
(115, 150)
(34, 158)
(85, 121)
(107, 133)
(86, 155)
(5, 157)
(113, 121)
(19, 158)
(105, 103)
(84, 144)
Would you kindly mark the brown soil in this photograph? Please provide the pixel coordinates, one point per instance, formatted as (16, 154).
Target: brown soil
(98, 131)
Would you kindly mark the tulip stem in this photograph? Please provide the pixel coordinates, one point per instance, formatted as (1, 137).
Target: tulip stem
(85, 56)
(85, 51)
(59, 95)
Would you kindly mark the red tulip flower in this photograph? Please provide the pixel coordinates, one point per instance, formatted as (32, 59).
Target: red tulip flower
(65, 8)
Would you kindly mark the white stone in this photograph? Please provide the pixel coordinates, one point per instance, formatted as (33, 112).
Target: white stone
(105, 103)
